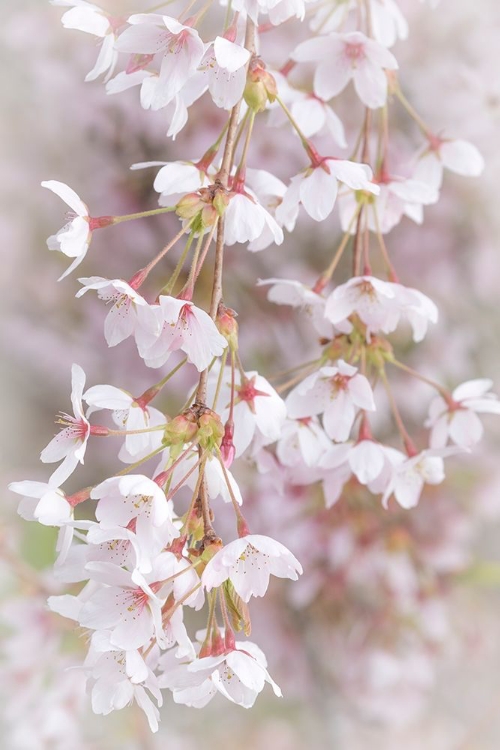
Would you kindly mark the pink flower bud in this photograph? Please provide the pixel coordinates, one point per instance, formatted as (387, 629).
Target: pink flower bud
(227, 448)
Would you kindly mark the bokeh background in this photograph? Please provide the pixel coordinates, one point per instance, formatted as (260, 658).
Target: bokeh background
(401, 647)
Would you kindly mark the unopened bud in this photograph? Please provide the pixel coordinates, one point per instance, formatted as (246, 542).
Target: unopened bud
(255, 96)
(180, 430)
(227, 325)
(188, 206)
(210, 431)
(227, 448)
(260, 87)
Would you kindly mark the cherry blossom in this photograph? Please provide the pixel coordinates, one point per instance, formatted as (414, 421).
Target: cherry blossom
(113, 544)
(176, 109)
(130, 414)
(71, 442)
(457, 155)
(180, 325)
(317, 187)
(259, 412)
(410, 475)
(248, 563)
(123, 499)
(334, 478)
(155, 546)
(298, 295)
(370, 462)
(225, 65)
(130, 611)
(460, 422)
(239, 674)
(283, 10)
(380, 305)
(310, 112)
(180, 47)
(388, 23)
(123, 316)
(90, 18)
(177, 178)
(43, 502)
(345, 57)
(337, 393)
(302, 440)
(216, 480)
(74, 238)
(116, 678)
(330, 18)
(398, 197)
(247, 221)
(268, 188)
(315, 116)
(278, 11)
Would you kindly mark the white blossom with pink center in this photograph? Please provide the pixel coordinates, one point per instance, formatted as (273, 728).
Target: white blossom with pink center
(70, 443)
(224, 64)
(259, 412)
(74, 238)
(135, 497)
(126, 604)
(345, 57)
(380, 305)
(459, 422)
(179, 46)
(93, 20)
(248, 562)
(239, 674)
(125, 311)
(180, 325)
(118, 545)
(337, 393)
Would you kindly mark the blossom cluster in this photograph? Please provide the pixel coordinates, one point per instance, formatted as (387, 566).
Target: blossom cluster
(152, 550)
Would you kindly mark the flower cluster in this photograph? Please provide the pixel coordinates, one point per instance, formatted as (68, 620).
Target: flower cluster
(152, 549)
